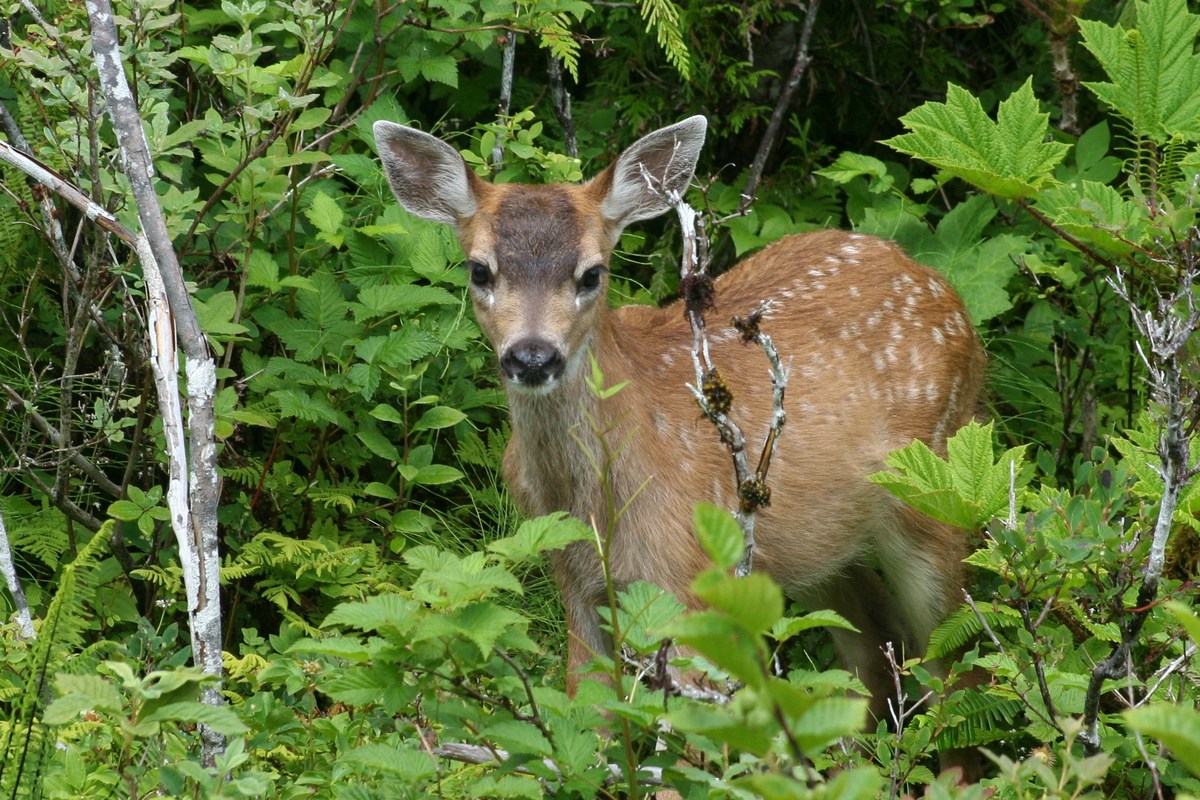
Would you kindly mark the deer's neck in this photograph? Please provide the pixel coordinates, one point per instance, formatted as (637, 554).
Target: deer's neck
(557, 450)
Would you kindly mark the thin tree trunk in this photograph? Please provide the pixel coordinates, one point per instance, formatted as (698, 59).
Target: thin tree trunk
(192, 495)
(13, 581)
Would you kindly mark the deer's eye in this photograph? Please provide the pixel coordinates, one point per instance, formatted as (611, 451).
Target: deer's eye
(589, 281)
(481, 276)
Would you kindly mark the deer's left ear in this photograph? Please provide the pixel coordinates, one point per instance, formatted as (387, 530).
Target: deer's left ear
(635, 187)
(428, 176)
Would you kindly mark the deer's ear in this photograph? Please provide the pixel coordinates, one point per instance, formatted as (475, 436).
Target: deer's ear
(635, 187)
(428, 176)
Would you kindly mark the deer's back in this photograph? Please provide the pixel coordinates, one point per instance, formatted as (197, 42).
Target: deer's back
(880, 351)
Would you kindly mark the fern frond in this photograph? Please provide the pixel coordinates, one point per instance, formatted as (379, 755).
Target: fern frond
(986, 717)
(25, 742)
(963, 626)
(662, 17)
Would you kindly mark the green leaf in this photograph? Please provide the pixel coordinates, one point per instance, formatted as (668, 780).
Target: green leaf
(1153, 70)
(719, 534)
(537, 535)
(438, 417)
(125, 510)
(389, 299)
(755, 601)
(435, 475)
(1177, 727)
(967, 489)
(378, 444)
(387, 413)
(375, 613)
(787, 627)
(849, 166)
(79, 694)
(221, 719)
(723, 641)
(326, 216)
(1184, 616)
(1009, 157)
(412, 766)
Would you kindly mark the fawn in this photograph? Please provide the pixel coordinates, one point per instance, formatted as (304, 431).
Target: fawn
(881, 353)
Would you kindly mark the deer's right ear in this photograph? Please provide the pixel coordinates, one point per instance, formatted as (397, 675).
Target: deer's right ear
(428, 176)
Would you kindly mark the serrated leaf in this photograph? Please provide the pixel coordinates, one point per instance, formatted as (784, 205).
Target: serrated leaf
(965, 490)
(79, 694)
(412, 766)
(537, 535)
(381, 685)
(1009, 157)
(386, 300)
(1153, 70)
(848, 166)
(221, 719)
(719, 725)
(375, 613)
(327, 217)
(787, 627)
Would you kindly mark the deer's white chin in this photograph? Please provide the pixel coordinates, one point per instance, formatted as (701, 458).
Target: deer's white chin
(532, 389)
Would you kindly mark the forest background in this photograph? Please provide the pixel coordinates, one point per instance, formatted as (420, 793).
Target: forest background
(384, 625)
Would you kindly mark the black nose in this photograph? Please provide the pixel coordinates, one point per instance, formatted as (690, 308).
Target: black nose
(532, 362)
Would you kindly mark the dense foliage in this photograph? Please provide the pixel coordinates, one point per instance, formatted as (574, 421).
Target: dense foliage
(383, 599)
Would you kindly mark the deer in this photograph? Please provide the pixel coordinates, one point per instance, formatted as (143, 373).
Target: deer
(882, 345)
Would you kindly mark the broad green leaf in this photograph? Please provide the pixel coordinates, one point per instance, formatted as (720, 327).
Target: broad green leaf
(851, 165)
(377, 443)
(787, 627)
(381, 685)
(437, 418)
(829, 719)
(387, 413)
(388, 299)
(375, 613)
(967, 489)
(79, 694)
(537, 535)
(435, 475)
(326, 216)
(412, 766)
(1009, 157)
(755, 601)
(125, 510)
(724, 642)
(1176, 726)
(1097, 214)
(719, 534)
(1153, 69)
(221, 719)
(723, 726)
